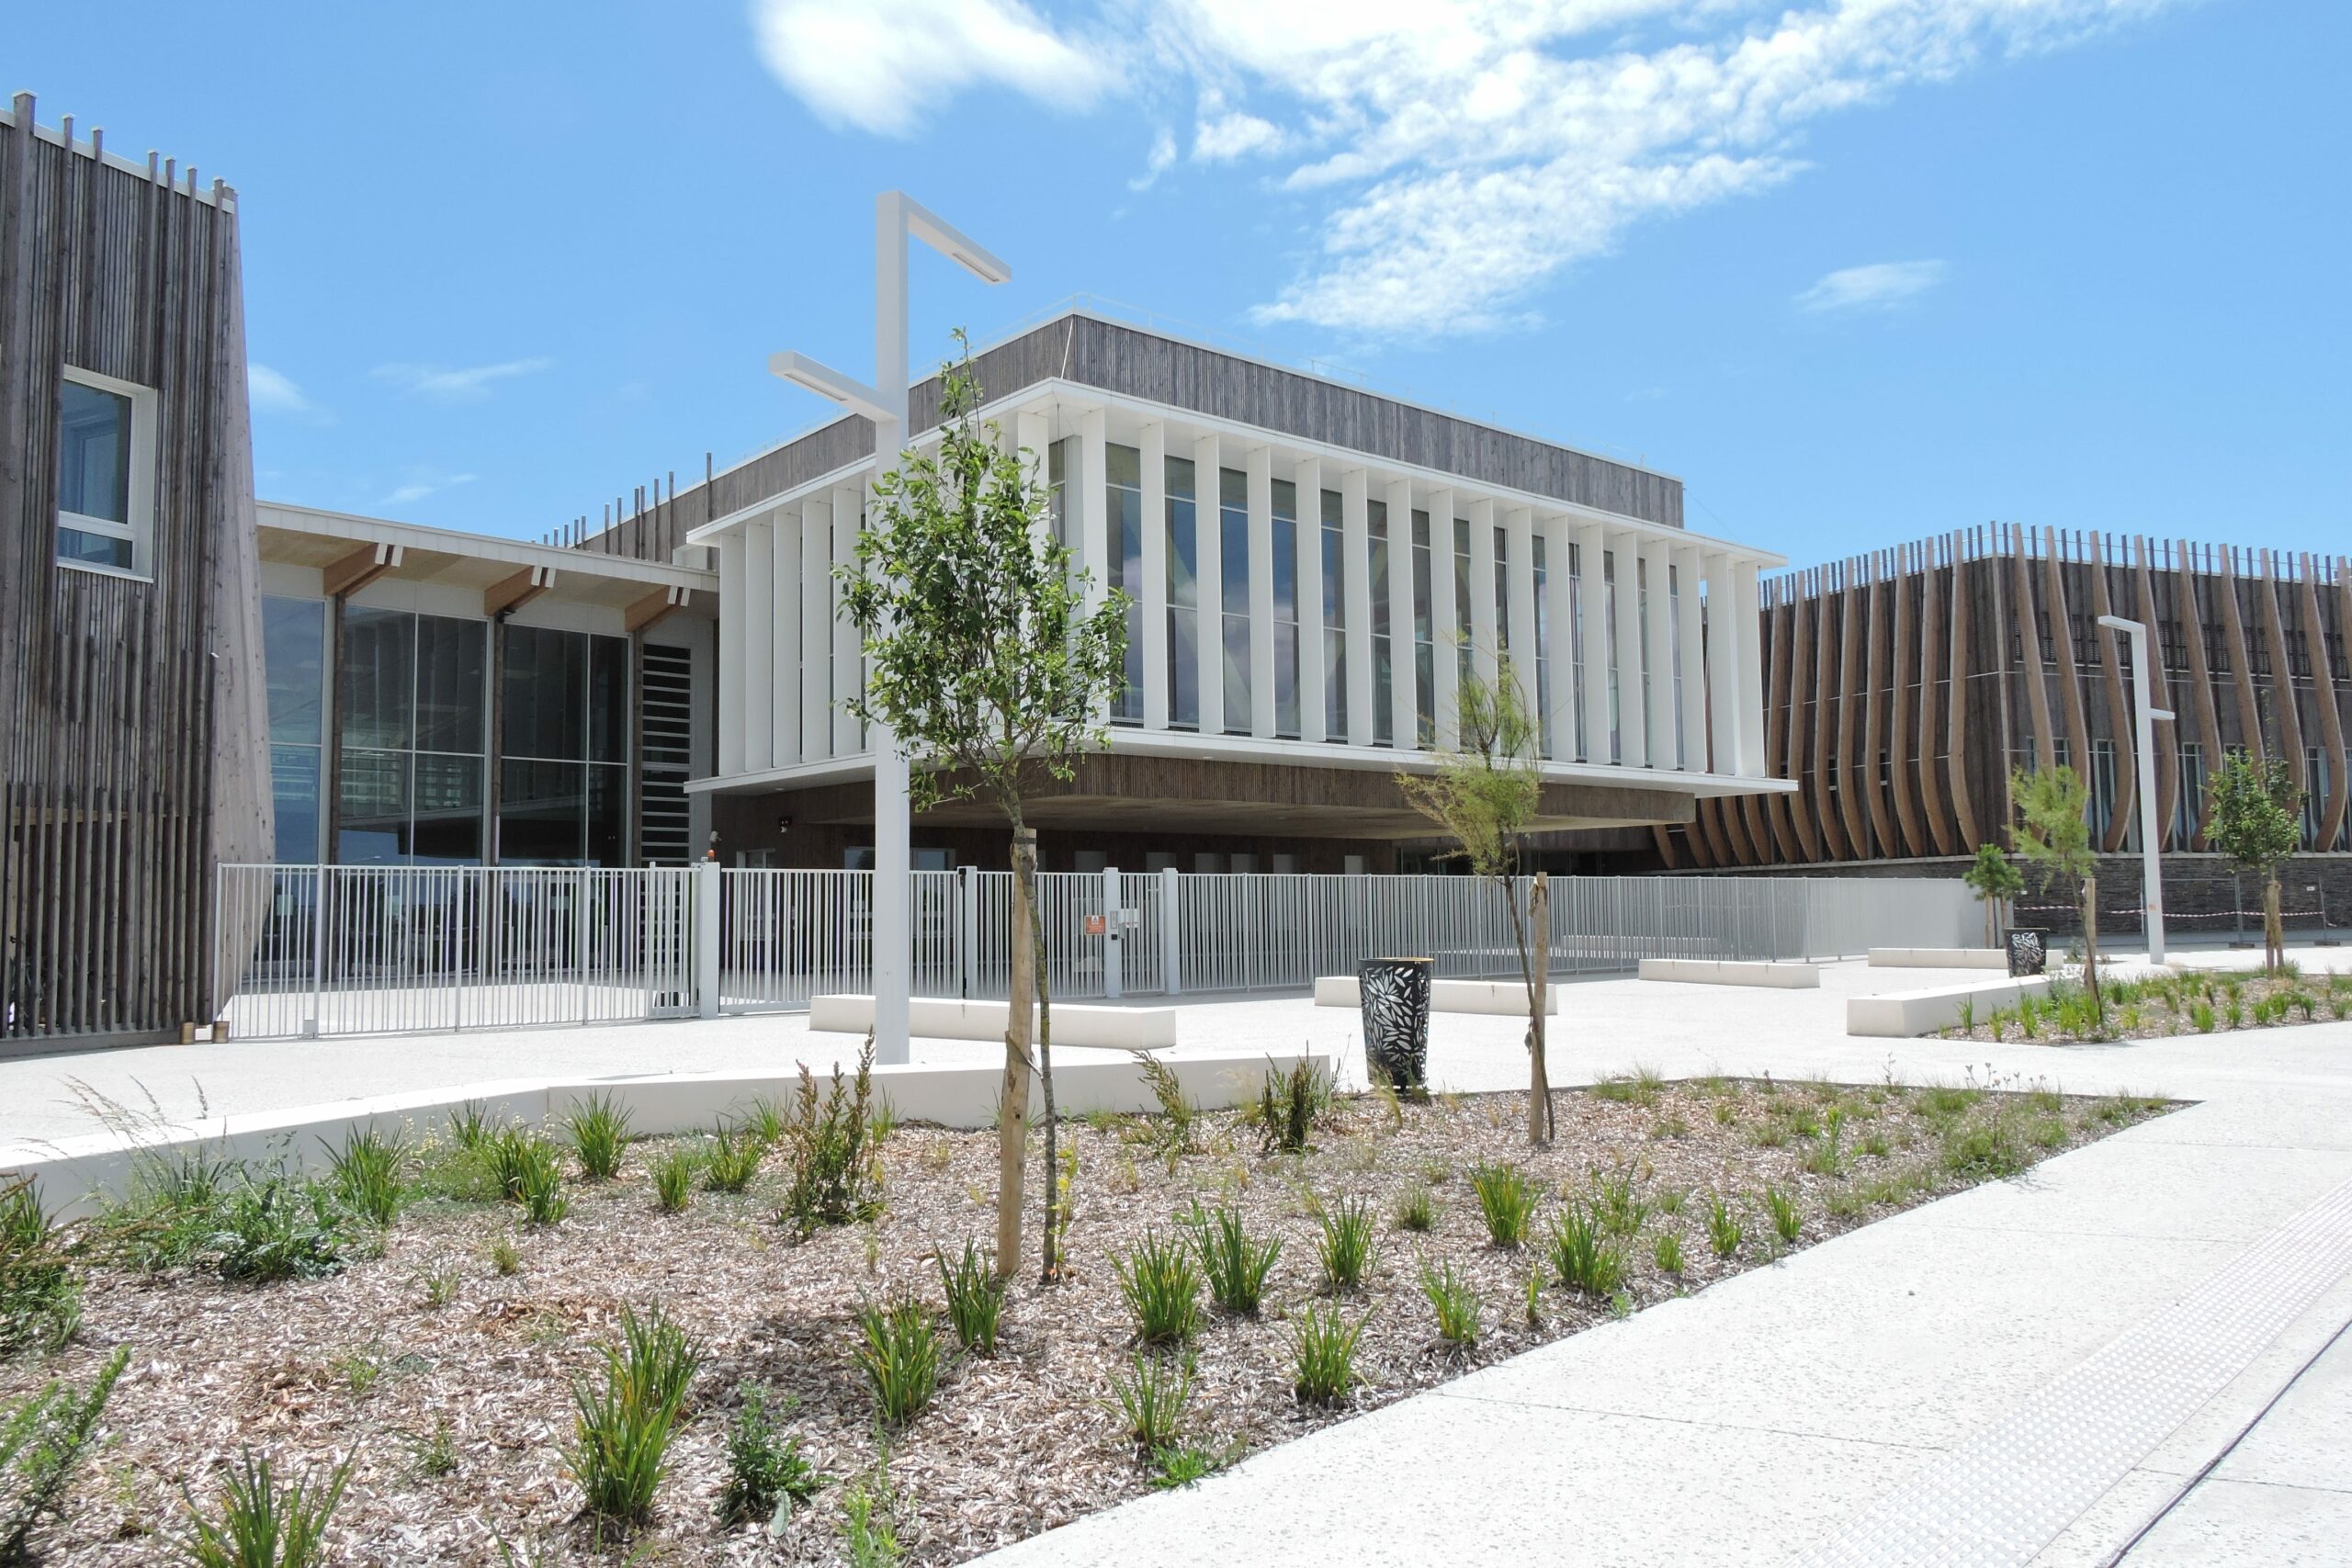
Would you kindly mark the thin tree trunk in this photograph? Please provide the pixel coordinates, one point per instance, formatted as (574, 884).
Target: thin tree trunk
(2090, 943)
(1012, 1108)
(1050, 1252)
(1539, 1104)
(1991, 940)
(1539, 1126)
(2274, 928)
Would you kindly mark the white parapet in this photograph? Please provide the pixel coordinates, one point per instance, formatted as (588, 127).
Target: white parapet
(955, 1018)
(1939, 958)
(1506, 998)
(73, 1175)
(1904, 1015)
(1771, 974)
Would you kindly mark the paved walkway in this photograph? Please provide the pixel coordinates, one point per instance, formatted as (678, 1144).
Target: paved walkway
(1843, 1406)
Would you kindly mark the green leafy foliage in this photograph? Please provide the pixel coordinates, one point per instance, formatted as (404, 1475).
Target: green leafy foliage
(1161, 1287)
(732, 1159)
(1582, 1256)
(40, 1298)
(1787, 1219)
(259, 1524)
(1725, 1231)
(1323, 1363)
(1289, 1103)
(674, 1180)
(366, 1174)
(898, 1351)
(1454, 1301)
(829, 1146)
(2256, 810)
(1507, 1201)
(975, 1299)
(2054, 834)
(622, 1426)
(42, 1440)
(1345, 1248)
(1151, 1399)
(1237, 1267)
(599, 1128)
(768, 1474)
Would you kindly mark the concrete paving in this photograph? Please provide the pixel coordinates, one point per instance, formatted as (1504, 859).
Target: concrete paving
(1747, 1423)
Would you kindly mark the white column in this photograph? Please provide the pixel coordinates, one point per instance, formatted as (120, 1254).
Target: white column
(1083, 490)
(784, 719)
(849, 663)
(1355, 594)
(758, 644)
(815, 629)
(1657, 653)
(1485, 632)
(1032, 438)
(1443, 631)
(1519, 587)
(1693, 659)
(1151, 594)
(1633, 718)
(1307, 477)
(1208, 548)
(731, 629)
(1260, 467)
(1592, 604)
(1751, 668)
(1723, 666)
(1560, 611)
(1404, 683)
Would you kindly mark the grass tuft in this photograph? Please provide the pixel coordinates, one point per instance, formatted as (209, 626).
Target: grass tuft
(1455, 1303)
(1162, 1289)
(975, 1299)
(599, 1127)
(1506, 1200)
(1323, 1369)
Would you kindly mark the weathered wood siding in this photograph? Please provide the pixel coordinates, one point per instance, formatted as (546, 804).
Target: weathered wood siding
(131, 711)
(1133, 363)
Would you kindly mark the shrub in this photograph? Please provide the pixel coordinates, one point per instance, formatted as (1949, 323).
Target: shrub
(1786, 1220)
(1324, 1362)
(975, 1299)
(1289, 1103)
(1236, 1266)
(1151, 1400)
(733, 1160)
(1582, 1257)
(599, 1126)
(2200, 1013)
(41, 1443)
(1453, 1300)
(621, 1432)
(1177, 1111)
(1667, 1252)
(830, 1147)
(1346, 1249)
(766, 1473)
(899, 1352)
(1417, 1210)
(503, 1257)
(282, 1226)
(1182, 1465)
(1162, 1289)
(1984, 1149)
(366, 1174)
(1724, 1230)
(673, 1181)
(1507, 1200)
(469, 1124)
(869, 1525)
(261, 1526)
(542, 1197)
(1621, 1213)
(40, 1301)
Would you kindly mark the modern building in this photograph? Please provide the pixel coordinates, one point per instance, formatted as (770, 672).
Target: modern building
(1313, 567)
(1905, 685)
(130, 657)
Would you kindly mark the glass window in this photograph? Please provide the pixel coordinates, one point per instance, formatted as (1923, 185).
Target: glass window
(294, 787)
(1233, 508)
(375, 703)
(100, 498)
(1123, 497)
(1462, 621)
(294, 659)
(1183, 597)
(372, 807)
(450, 692)
(1383, 717)
(546, 697)
(563, 780)
(608, 699)
(411, 718)
(542, 812)
(1424, 634)
(1285, 534)
(1543, 646)
(1335, 618)
(448, 809)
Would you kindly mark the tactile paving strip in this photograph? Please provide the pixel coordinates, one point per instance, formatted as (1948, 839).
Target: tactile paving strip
(2005, 1494)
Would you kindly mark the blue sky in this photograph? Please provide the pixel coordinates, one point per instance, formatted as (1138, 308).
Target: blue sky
(1858, 273)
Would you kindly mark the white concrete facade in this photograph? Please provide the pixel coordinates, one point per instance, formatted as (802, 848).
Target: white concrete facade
(1608, 650)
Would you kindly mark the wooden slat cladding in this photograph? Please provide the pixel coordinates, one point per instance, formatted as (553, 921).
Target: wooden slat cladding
(2004, 662)
(1129, 362)
(135, 731)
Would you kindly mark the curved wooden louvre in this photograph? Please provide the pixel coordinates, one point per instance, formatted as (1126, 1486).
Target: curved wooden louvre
(1961, 674)
(1825, 664)
(2118, 713)
(2250, 734)
(1874, 703)
(2201, 681)
(2160, 692)
(1903, 750)
(2323, 706)
(1805, 805)
(1853, 785)
(2289, 723)
(2062, 643)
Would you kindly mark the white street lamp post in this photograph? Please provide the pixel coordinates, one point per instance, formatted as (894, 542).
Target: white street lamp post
(2152, 885)
(896, 217)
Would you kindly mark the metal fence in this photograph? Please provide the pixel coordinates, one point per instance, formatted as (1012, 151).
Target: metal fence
(402, 949)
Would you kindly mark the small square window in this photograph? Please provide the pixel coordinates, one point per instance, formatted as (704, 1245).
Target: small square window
(105, 444)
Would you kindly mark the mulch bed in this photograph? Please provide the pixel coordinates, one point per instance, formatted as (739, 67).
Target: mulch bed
(2189, 1001)
(1010, 1446)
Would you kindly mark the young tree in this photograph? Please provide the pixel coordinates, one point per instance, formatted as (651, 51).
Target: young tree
(982, 658)
(1994, 882)
(2054, 836)
(2257, 823)
(1485, 792)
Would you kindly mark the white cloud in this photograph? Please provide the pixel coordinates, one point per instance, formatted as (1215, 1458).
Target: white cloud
(1881, 286)
(469, 383)
(275, 392)
(1162, 159)
(418, 487)
(1452, 156)
(886, 65)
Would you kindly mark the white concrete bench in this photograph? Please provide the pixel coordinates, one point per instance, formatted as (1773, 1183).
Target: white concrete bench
(1506, 998)
(1939, 958)
(1772, 974)
(1905, 1015)
(953, 1018)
